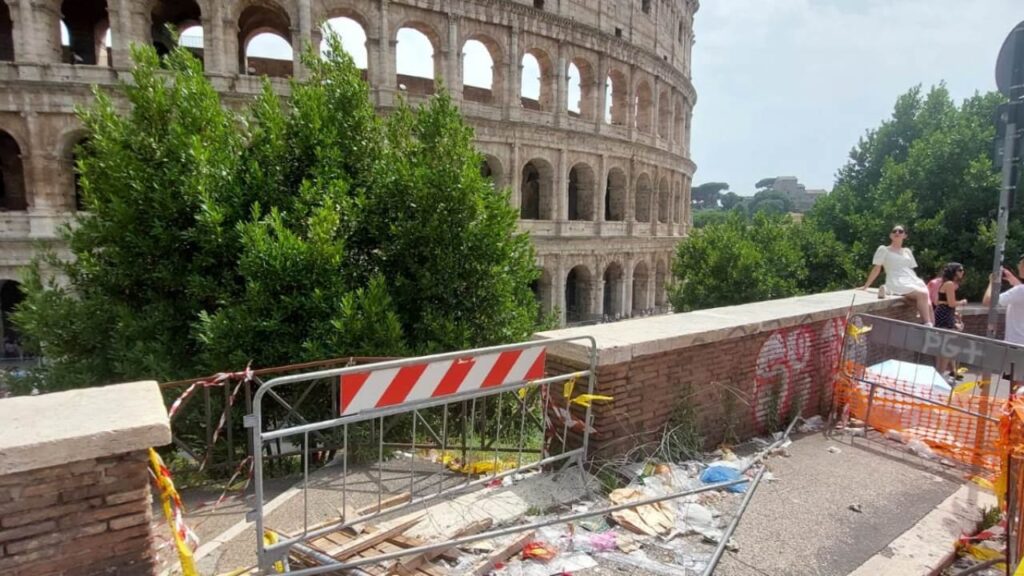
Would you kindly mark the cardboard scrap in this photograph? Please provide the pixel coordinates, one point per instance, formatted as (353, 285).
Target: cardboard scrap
(649, 519)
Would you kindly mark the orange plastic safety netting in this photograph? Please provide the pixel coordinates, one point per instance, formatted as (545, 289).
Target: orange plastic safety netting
(962, 425)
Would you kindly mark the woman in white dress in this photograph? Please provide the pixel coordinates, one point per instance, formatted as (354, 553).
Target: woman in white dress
(900, 279)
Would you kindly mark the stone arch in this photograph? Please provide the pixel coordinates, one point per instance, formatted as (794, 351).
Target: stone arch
(536, 197)
(616, 101)
(615, 196)
(641, 283)
(580, 93)
(578, 289)
(10, 296)
(664, 197)
(6, 34)
(677, 206)
(179, 14)
(644, 107)
(680, 119)
(265, 40)
(613, 293)
(70, 150)
(665, 114)
(413, 39)
(541, 288)
(491, 169)
(660, 278)
(644, 191)
(13, 195)
(352, 28)
(492, 83)
(543, 73)
(581, 192)
(87, 24)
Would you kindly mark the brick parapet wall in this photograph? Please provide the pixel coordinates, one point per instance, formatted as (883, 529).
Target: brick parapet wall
(74, 481)
(735, 380)
(87, 517)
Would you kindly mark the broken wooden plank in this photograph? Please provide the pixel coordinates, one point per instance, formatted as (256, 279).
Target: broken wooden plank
(449, 555)
(385, 504)
(360, 543)
(502, 554)
(406, 567)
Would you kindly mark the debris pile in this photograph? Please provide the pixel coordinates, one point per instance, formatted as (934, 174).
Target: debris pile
(661, 517)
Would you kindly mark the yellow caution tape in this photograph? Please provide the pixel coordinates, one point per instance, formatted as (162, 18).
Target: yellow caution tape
(856, 332)
(174, 512)
(586, 399)
(567, 388)
(269, 539)
(965, 387)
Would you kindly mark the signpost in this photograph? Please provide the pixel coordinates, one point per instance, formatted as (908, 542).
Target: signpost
(1010, 81)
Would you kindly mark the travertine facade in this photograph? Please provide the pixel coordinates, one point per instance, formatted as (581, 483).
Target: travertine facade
(606, 197)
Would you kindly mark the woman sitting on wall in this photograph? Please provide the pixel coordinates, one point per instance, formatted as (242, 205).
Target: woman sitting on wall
(900, 279)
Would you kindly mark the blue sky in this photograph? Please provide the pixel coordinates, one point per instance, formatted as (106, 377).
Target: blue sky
(786, 87)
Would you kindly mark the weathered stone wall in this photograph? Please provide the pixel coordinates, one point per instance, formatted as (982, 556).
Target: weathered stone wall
(74, 484)
(630, 177)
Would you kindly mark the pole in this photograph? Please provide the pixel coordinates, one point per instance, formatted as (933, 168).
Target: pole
(1001, 223)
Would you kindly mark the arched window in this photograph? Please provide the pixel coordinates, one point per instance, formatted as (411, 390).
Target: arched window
(12, 177)
(616, 97)
(480, 74)
(85, 24)
(265, 41)
(660, 277)
(615, 196)
(580, 91)
(541, 288)
(641, 281)
(6, 34)
(415, 61)
(536, 202)
(665, 114)
(491, 169)
(680, 119)
(192, 39)
(612, 297)
(581, 192)
(178, 14)
(10, 296)
(535, 90)
(353, 39)
(664, 193)
(644, 107)
(644, 191)
(76, 177)
(577, 294)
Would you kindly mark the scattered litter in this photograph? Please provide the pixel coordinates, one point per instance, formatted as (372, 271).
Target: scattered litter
(812, 424)
(718, 474)
(855, 431)
(921, 449)
(539, 551)
(694, 518)
(856, 508)
(834, 449)
(649, 519)
(731, 545)
(600, 542)
(639, 559)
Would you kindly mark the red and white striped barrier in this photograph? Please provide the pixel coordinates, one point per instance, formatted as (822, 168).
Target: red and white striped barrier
(393, 386)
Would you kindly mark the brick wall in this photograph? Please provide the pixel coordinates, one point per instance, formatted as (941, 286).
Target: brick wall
(734, 386)
(87, 517)
(74, 481)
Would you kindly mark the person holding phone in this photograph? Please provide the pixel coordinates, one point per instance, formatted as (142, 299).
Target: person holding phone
(1013, 299)
(900, 279)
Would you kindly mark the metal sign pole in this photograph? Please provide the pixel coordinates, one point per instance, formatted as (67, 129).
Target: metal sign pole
(1001, 224)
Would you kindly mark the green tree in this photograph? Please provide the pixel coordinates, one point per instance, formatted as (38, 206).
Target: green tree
(927, 167)
(770, 201)
(745, 260)
(730, 200)
(707, 195)
(290, 231)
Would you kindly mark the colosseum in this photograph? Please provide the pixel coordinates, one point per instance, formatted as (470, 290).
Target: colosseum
(585, 115)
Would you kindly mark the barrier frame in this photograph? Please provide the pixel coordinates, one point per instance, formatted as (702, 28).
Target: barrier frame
(270, 553)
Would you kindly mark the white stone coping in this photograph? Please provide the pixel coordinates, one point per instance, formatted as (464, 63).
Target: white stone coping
(63, 427)
(619, 342)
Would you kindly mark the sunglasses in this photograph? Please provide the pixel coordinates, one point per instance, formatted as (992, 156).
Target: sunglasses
(898, 231)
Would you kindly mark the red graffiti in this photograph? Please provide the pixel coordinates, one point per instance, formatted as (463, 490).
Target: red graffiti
(795, 365)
